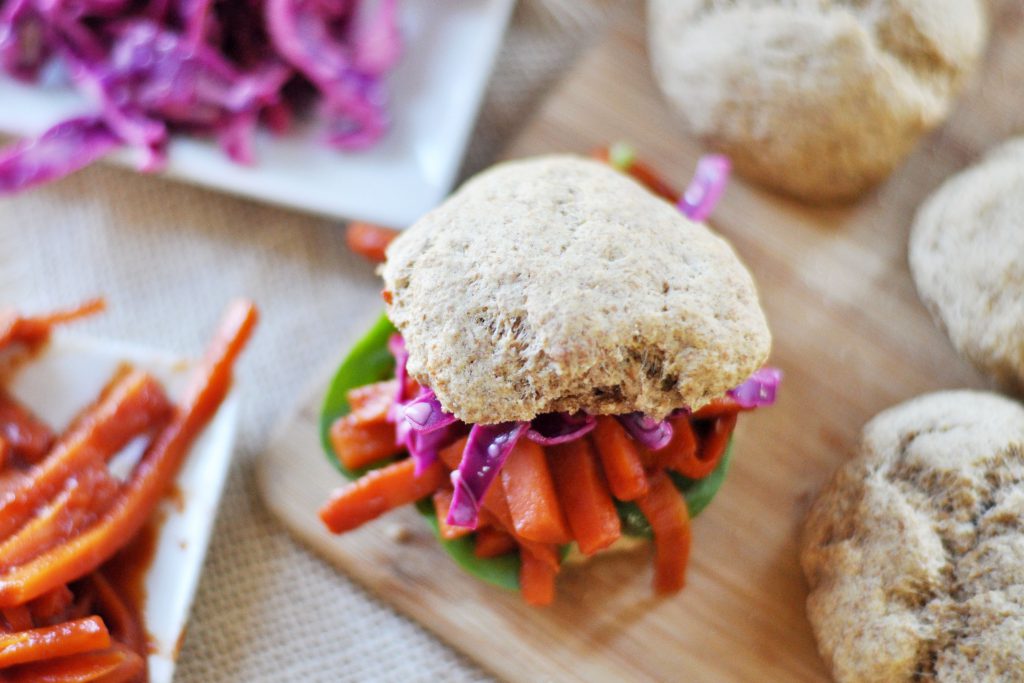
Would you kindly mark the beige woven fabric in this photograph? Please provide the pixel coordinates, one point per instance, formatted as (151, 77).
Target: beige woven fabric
(168, 257)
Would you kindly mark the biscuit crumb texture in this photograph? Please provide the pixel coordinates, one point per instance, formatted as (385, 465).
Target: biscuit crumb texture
(967, 258)
(558, 284)
(915, 551)
(818, 99)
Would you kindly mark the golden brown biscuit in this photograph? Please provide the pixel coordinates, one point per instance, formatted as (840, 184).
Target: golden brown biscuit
(967, 258)
(819, 99)
(915, 551)
(559, 284)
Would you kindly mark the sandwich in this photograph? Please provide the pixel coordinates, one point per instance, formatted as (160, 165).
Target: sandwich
(562, 363)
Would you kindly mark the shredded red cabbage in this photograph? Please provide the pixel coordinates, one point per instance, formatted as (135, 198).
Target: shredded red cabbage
(425, 414)
(653, 434)
(759, 390)
(706, 188)
(486, 450)
(555, 428)
(209, 67)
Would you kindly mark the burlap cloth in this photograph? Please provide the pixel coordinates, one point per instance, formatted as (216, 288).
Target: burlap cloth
(168, 256)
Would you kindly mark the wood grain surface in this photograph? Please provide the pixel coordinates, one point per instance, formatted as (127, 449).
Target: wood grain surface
(850, 335)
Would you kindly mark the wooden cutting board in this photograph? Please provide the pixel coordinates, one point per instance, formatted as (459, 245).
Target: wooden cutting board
(850, 335)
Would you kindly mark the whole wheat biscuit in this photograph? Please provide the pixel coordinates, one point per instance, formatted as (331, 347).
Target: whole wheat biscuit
(819, 99)
(915, 551)
(967, 258)
(559, 284)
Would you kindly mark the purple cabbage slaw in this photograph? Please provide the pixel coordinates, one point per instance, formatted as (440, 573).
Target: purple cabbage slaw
(423, 427)
(216, 68)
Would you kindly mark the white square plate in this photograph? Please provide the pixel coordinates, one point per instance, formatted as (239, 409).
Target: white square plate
(436, 91)
(69, 375)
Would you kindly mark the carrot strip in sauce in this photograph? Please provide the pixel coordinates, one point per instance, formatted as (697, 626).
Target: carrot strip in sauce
(6, 454)
(116, 664)
(151, 476)
(725, 405)
(451, 455)
(620, 459)
(17, 329)
(51, 606)
(85, 497)
(120, 618)
(368, 240)
(536, 579)
(373, 400)
(530, 492)
(644, 175)
(69, 638)
(130, 407)
(679, 454)
(665, 508)
(358, 444)
(714, 441)
(379, 491)
(18, 618)
(495, 513)
(442, 502)
(585, 496)
(28, 437)
(491, 542)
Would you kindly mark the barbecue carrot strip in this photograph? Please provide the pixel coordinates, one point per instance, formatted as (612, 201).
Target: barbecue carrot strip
(358, 444)
(51, 605)
(680, 454)
(84, 498)
(379, 491)
(530, 492)
(646, 176)
(620, 459)
(714, 443)
(28, 437)
(379, 395)
(725, 405)
(665, 508)
(151, 477)
(18, 618)
(491, 542)
(130, 406)
(117, 664)
(6, 454)
(495, 512)
(442, 502)
(368, 240)
(72, 637)
(451, 455)
(120, 618)
(15, 329)
(536, 579)
(585, 496)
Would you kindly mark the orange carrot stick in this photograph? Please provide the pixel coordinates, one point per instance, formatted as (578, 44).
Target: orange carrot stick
(585, 496)
(530, 492)
(368, 240)
(120, 618)
(15, 329)
(129, 407)
(50, 606)
(379, 395)
(85, 497)
(680, 454)
(28, 437)
(18, 618)
(644, 175)
(442, 502)
(451, 455)
(495, 513)
(665, 508)
(358, 444)
(491, 542)
(6, 454)
(71, 637)
(379, 491)
(116, 664)
(536, 579)
(620, 459)
(720, 406)
(711, 447)
(151, 477)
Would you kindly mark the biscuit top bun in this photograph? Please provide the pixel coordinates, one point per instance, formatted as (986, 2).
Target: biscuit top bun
(559, 284)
